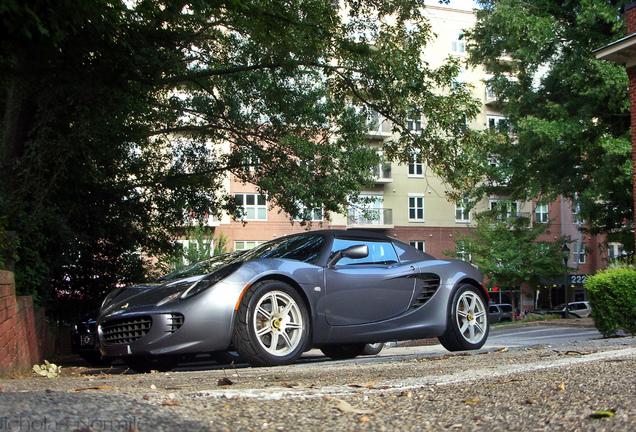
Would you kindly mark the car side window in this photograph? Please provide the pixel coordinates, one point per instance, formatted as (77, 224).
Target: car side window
(379, 252)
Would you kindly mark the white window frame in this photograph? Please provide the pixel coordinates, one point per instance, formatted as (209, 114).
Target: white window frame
(418, 244)
(416, 166)
(542, 213)
(317, 214)
(462, 214)
(582, 256)
(240, 245)
(458, 45)
(256, 207)
(413, 199)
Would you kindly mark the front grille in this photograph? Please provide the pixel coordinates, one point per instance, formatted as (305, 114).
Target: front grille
(175, 321)
(125, 330)
(427, 284)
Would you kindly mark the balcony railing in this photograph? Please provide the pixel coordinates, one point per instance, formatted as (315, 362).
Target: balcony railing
(382, 173)
(379, 218)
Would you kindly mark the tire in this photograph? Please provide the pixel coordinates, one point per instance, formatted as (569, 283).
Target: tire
(272, 325)
(343, 352)
(467, 324)
(226, 357)
(373, 349)
(145, 364)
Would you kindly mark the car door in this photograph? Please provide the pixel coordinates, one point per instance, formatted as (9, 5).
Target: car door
(370, 289)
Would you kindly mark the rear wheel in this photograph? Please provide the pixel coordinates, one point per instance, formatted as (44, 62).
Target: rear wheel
(343, 352)
(272, 325)
(467, 324)
(373, 349)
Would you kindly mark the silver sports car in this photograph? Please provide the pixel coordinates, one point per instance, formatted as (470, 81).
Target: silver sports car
(331, 289)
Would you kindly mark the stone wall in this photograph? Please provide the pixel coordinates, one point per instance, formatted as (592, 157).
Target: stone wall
(25, 337)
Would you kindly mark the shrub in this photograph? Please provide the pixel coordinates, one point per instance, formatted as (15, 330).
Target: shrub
(612, 296)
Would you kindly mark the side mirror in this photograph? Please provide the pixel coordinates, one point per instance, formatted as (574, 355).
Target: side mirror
(353, 252)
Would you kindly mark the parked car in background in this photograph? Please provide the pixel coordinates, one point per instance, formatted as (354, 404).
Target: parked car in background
(335, 290)
(580, 309)
(499, 313)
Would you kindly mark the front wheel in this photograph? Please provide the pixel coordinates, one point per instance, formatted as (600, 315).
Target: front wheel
(467, 324)
(272, 325)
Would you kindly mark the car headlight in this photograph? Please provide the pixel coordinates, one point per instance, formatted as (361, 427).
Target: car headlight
(210, 280)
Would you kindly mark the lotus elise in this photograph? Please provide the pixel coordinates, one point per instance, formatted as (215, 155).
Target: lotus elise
(335, 290)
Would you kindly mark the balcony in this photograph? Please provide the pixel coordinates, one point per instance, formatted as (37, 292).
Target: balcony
(370, 218)
(382, 173)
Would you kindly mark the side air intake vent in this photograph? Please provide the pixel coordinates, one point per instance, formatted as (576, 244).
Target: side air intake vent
(427, 284)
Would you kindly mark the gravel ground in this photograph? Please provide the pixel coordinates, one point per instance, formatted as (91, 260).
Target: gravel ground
(541, 388)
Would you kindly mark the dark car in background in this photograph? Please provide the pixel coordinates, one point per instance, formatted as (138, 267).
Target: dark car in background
(500, 313)
(335, 290)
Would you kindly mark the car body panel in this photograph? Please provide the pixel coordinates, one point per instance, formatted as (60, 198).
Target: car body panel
(347, 303)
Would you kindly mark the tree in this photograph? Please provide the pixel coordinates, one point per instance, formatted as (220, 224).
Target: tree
(121, 120)
(569, 113)
(510, 250)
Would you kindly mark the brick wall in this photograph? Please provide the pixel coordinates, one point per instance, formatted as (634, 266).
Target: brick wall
(630, 18)
(25, 337)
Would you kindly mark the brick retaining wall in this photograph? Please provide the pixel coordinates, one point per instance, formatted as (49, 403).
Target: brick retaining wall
(25, 337)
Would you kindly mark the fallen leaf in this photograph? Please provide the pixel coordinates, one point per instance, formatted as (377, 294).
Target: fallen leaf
(472, 401)
(170, 403)
(224, 381)
(346, 407)
(146, 397)
(365, 419)
(503, 350)
(603, 414)
(101, 387)
(561, 386)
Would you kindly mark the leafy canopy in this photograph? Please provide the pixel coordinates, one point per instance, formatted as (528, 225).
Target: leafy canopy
(509, 249)
(122, 120)
(569, 113)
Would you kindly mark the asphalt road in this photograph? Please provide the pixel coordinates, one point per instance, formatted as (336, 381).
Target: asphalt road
(537, 378)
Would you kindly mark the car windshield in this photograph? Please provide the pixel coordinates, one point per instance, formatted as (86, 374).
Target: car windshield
(305, 248)
(205, 266)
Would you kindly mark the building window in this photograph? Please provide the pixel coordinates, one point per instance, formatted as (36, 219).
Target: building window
(414, 123)
(541, 213)
(462, 214)
(254, 206)
(511, 209)
(246, 245)
(458, 44)
(499, 124)
(315, 215)
(416, 167)
(418, 244)
(582, 255)
(462, 252)
(416, 208)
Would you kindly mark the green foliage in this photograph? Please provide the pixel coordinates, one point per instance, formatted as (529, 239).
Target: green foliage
(613, 300)
(121, 121)
(197, 244)
(509, 250)
(569, 112)
(8, 245)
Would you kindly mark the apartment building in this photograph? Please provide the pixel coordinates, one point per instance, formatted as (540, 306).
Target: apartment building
(409, 202)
